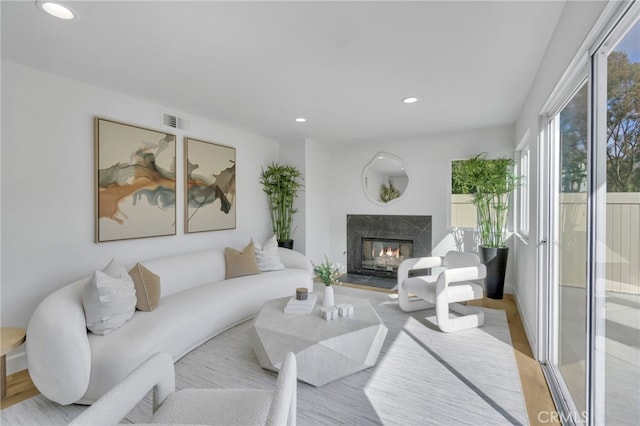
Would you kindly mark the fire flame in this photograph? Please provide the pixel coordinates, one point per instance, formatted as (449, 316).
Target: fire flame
(389, 252)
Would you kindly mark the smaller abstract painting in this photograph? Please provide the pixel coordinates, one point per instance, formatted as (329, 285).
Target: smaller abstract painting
(135, 182)
(210, 179)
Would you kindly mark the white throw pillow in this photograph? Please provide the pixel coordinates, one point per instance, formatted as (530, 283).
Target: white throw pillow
(267, 256)
(109, 299)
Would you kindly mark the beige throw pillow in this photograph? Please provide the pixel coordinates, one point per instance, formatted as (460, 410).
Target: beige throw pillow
(240, 263)
(147, 286)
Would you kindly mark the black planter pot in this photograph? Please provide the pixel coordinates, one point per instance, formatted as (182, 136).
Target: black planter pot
(286, 244)
(495, 259)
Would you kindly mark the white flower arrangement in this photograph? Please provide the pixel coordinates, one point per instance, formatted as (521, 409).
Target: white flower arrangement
(328, 272)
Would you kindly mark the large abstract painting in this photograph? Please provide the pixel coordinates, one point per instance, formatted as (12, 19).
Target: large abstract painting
(210, 179)
(135, 181)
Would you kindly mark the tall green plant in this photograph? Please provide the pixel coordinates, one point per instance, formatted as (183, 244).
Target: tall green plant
(490, 182)
(281, 183)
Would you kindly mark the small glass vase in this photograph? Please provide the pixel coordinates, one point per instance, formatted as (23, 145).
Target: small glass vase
(327, 299)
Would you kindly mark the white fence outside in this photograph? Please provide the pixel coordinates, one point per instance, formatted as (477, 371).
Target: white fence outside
(623, 242)
(463, 212)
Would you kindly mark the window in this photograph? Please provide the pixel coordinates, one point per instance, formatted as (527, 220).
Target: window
(523, 194)
(617, 277)
(463, 212)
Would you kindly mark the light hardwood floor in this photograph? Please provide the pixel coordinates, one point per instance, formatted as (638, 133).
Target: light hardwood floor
(534, 387)
(19, 388)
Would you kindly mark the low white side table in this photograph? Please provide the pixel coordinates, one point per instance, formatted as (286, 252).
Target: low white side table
(12, 338)
(324, 350)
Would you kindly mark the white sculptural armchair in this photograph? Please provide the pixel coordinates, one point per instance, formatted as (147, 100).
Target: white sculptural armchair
(196, 406)
(451, 282)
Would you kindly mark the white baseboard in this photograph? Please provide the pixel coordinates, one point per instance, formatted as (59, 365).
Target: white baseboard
(530, 332)
(508, 288)
(17, 361)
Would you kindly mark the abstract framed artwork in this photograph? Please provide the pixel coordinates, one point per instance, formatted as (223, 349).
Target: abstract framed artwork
(135, 181)
(210, 186)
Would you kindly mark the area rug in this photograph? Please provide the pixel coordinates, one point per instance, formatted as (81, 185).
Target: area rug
(423, 376)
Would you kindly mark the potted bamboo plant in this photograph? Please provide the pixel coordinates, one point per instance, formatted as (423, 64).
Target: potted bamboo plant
(490, 181)
(281, 183)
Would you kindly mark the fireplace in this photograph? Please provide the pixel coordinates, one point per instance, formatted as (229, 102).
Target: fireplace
(385, 254)
(377, 244)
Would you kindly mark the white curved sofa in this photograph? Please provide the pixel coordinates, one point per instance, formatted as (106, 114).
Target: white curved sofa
(68, 364)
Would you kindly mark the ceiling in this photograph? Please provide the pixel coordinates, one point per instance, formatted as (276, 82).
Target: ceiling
(345, 66)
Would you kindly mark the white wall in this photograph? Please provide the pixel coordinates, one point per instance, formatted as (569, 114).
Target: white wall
(319, 197)
(428, 165)
(575, 23)
(47, 186)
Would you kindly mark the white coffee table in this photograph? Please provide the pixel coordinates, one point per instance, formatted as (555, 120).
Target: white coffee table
(324, 350)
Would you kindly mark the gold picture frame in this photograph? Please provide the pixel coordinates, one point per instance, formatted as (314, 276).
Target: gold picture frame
(135, 181)
(210, 186)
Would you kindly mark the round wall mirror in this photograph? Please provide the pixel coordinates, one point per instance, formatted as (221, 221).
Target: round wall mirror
(385, 179)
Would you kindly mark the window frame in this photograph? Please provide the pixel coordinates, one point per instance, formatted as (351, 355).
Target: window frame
(493, 155)
(522, 201)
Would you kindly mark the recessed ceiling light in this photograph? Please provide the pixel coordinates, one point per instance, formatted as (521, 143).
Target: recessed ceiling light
(301, 120)
(410, 100)
(56, 9)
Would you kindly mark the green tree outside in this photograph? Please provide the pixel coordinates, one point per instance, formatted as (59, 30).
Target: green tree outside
(623, 124)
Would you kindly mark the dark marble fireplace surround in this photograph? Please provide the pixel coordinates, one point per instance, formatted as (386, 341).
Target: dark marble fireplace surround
(397, 227)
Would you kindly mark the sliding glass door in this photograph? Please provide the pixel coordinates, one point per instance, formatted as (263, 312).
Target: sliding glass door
(592, 257)
(617, 212)
(568, 131)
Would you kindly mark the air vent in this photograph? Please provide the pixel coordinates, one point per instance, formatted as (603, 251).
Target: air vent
(173, 121)
(170, 120)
